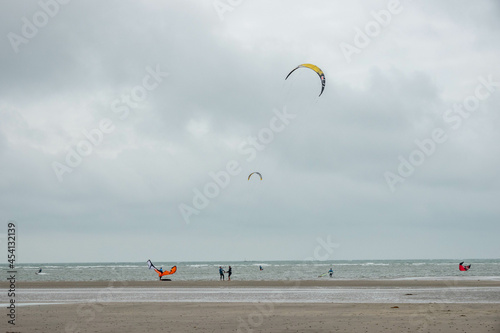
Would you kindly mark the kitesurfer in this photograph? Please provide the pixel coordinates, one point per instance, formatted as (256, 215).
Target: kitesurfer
(160, 270)
(221, 273)
(330, 272)
(463, 268)
(260, 267)
(229, 272)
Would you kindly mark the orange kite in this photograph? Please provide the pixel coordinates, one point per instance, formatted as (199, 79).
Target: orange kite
(160, 272)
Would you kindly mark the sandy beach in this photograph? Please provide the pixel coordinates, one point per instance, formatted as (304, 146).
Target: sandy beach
(259, 317)
(160, 316)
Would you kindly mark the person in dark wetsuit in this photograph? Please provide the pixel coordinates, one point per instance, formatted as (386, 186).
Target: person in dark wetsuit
(330, 272)
(221, 273)
(229, 272)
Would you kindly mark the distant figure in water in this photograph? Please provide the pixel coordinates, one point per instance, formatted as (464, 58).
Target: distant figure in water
(221, 273)
(229, 272)
(261, 268)
(330, 272)
(462, 267)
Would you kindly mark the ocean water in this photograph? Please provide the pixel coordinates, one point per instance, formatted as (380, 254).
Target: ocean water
(482, 269)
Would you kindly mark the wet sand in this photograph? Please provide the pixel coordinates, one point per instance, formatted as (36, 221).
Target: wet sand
(260, 284)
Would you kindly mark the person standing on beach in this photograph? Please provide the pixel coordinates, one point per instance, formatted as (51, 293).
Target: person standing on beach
(221, 273)
(330, 272)
(229, 272)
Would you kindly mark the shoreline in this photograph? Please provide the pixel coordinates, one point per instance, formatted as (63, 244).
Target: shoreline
(255, 284)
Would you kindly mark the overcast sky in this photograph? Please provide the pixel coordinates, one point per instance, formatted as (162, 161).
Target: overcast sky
(116, 115)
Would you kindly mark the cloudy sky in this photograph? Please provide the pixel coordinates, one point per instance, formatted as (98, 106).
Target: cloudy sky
(128, 130)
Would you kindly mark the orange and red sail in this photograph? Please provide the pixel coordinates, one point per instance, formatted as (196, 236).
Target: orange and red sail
(159, 271)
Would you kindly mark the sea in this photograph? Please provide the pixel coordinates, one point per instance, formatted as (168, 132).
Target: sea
(443, 269)
(481, 269)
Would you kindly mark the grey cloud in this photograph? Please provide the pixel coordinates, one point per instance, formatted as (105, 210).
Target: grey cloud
(323, 174)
